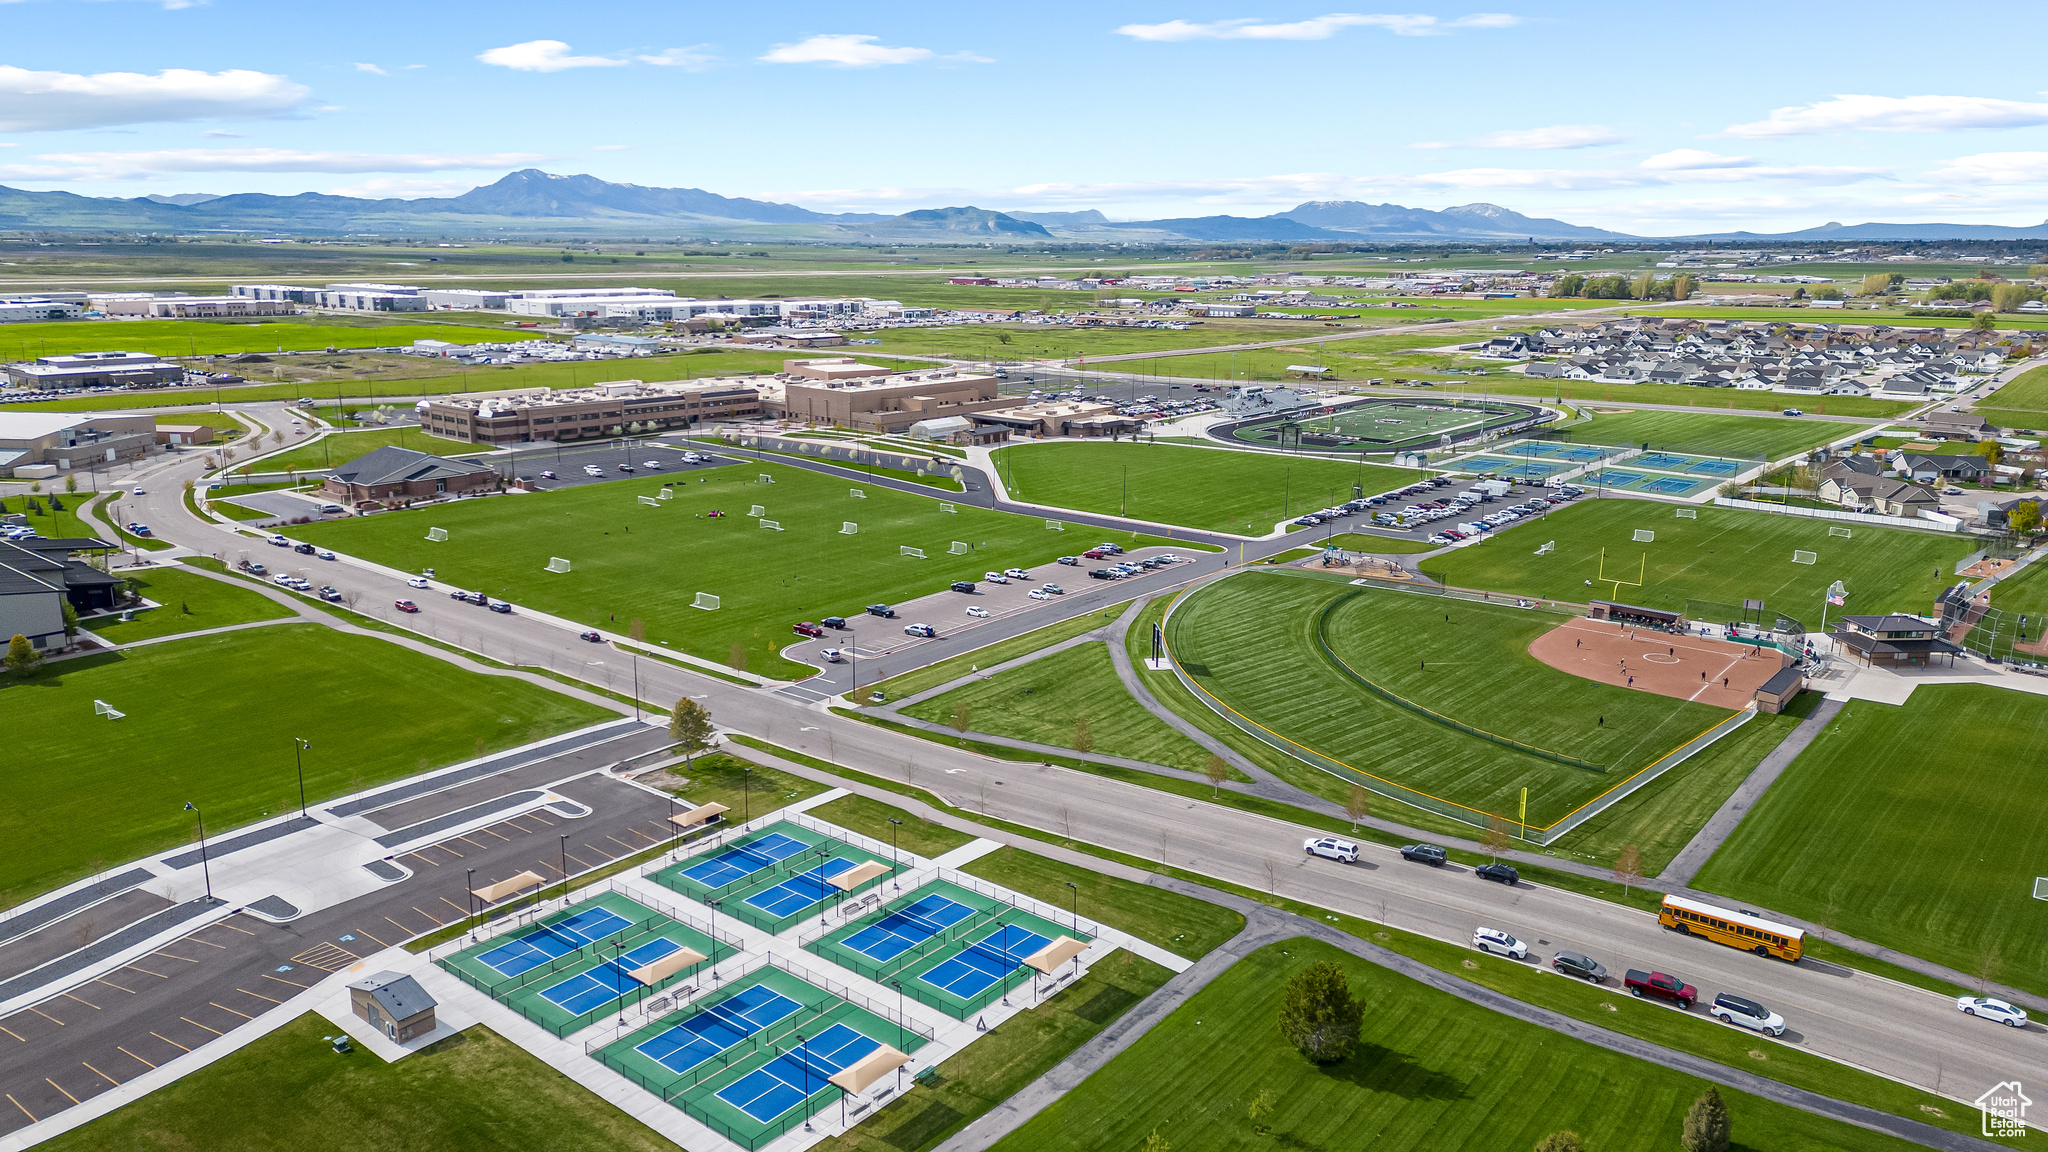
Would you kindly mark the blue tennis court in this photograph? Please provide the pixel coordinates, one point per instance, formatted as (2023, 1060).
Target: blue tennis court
(791, 1078)
(608, 981)
(1530, 469)
(718, 1027)
(1485, 463)
(985, 961)
(1715, 467)
(1670, 485)
(906, 928)
(1613, 479)
(743, 860)
(802, 890)
(549, 941)
(1661, 460)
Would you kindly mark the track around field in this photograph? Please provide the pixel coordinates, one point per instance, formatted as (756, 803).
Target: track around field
(1713, 672)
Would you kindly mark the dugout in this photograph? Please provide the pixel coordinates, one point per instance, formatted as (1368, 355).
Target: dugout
(1618, 613)
(1774, 694)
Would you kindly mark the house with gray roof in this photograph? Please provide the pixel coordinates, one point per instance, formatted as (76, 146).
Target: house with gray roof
(394, 475)
(394, 1004)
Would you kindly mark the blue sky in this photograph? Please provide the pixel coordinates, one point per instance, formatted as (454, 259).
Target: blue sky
(1644, 118)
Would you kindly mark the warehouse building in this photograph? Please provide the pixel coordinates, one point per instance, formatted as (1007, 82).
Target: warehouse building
(38, 445)
(95, 370)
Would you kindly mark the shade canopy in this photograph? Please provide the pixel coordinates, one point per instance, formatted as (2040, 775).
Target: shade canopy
(492, 893)
(667, 966)
(856, 1076)
(1056, 953)
(698, 815)
(857, 875)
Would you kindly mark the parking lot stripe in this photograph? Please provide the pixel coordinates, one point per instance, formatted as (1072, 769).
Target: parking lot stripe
(232, 928)
(380, 943)
(46, 1015)
(174, 1043)
(499, 835)
(102, 1075)
(542, 819)
(282, 980)
(225, 1008)
(454, 905)
(197, 1024)
(133, 1054)
(437, 923)
(450, 851)
(400, 927)
(417, 856)
(12, 1032)
(174, 956)
(210, 944)
(258, 995)
(147, 972)
(619, 842)
(87, 1003)
(24, 1111)
(111, 984)
(60, 1088)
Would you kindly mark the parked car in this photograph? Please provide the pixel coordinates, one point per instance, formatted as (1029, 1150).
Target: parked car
(330, 593)
(979, 613)
(920, 630)
(500, 607)
(405, 606)
(1794, 412)
(1580, 965)
(1495, 940)
(1101, 574)
(1658, 986)
(1052, 588)
(656, 464)
(140, 492)
(834, 622)
(282, 580)
(418, 582)
(623, 467)
(1071, 561)
(1331, 848)
(1424, 854)
(882, 610)
(1095, 554)
(1741, 1010)
(325, 554)
(965, 586)
(807, 629)
(995, 577)
(1039, 594)
(832, 655)
(547, 474)
(1016, 574)
(1989, 1009)
(1504, 873)
(277, 541)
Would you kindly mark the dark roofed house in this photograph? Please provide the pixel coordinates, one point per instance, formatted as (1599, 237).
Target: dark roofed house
(1928, 469)
(394, 1004)
(1894, 639)
(396, 475)
(1961, 425)
(38, 576)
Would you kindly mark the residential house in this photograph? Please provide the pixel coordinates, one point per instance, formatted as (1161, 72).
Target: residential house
(1928, 469)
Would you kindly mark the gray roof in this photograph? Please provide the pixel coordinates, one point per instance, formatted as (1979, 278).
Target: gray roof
(1781, 683)
(394, 465)
(399, 995)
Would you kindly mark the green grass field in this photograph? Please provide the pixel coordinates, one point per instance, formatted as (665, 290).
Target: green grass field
(1214, 489)
(1180, 924)
(474, 1092)
(932, 675)
(338, 448)
(2022, 403)
(1431, 1072)
(214, 337)
(189, 602)
(89, 792)
(1935, 856)
(1043, 701)
(1724, 557)
(632, 561)
(1709, 434)
(1255, 636)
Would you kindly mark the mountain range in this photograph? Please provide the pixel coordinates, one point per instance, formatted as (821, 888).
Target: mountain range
(531, 202)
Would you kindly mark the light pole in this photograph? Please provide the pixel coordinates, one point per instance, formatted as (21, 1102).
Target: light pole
(747, 800)
(898, 986)
(1077, 906)
(565, 869)
(894, 863)
(299, 746)
(469, 898)
(204, 867)
(636, 685)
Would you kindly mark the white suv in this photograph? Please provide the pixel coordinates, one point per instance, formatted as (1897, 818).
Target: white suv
(1495, 940)
(1331, 848)
(1748, 1013)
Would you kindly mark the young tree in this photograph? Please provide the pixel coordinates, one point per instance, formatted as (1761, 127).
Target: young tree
(21, 655)
(1706, 1124)
(2024, 517)
(71, 482)
(70, 619)
(1261, 1107)
(1985, 322)
(1628, 867)
(1561, 1142)
(689, 724)
(1496, 838)
(962, 717)
(737, 658)
(1084, 740)
(1826, 292)
(1216, 771)
(1155, 1143)
(1992, 451)
(1318, 1014)
(1355, 805)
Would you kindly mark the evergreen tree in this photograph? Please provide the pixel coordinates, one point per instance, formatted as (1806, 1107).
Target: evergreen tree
(1319, 1016)
(1706, 1124)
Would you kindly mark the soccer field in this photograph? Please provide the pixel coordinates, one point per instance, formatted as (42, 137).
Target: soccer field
(1251, 642)
(1382, 425)
(1720, 559)
(1708, 433)
(1213, 489)
(210, 720)
(629, 560)
(1920, 828)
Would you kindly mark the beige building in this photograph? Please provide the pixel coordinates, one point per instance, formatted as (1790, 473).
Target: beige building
(393, 1004)
(888, 403)
(618, 408)
(835, 369)
(37, 445)
(217, 307)
(1054, 419)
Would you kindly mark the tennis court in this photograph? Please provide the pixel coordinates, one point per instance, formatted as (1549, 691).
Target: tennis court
(1578, 453)
(802, 890)
(794, 1076)
(552, 940)
(608, 981)
(743, 860)
(906, 928)
(1676, 462)
(984, 962)
(1613, 478)
(1673, 485)
(717, 1027)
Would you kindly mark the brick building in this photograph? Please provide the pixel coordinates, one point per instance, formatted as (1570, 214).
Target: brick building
(393, 475)
(614, 409)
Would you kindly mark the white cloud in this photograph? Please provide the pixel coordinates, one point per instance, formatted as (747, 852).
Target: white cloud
(1995, 168)
(691, 59)
(543, 56)
(843, 51)
(217, 134)
(370, 68)
(1555, 136)
(1890, 114)
(139, 164)
(1693, 159)
(402, 188)
(609, 147)
(56, 101)
(1316, 28)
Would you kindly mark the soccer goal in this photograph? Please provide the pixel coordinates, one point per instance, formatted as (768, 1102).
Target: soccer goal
(2041, 887)
(557, 564)
(907, 550)
(757, 510)
(765, 478)
(1844, 533)
(856, 494)
(1055, 526)
(1645, 536)
(849, 528)
(437, 535)
(667, 494)
(959, 548)
(772, 525)
(1799, 556)
(1549, 546)
(1688, 513)
(944, 507)
(650, 501)
(102, 708)
(706, 601)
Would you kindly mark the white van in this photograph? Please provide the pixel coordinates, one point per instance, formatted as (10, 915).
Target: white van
(1331, 848)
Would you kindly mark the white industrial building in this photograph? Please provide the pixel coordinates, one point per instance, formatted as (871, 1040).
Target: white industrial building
(18, 309)
(217, 307)
(466, 299)
(295, 293)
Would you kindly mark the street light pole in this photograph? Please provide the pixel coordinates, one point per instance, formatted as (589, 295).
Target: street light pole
(747, 801)
(1077, 906)
(299, 746)
(894, 862)
(469, 898)
(565, 868)
(204, 867)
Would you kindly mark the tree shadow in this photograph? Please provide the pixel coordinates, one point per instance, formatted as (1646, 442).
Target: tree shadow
(1379, 1069)
(52, 675)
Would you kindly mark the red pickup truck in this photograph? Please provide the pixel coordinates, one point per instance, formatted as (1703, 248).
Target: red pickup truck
(1658, 986)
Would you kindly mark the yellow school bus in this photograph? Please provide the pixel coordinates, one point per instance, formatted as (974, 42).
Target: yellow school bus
(1745, 930)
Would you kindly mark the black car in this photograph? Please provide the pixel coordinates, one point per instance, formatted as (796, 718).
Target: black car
(882, 610)
(1505, 873)
(963, 586)
(1102, 574)
(593, 637)
(1424, 853)
(834, 621)
(303, 549)
(1584, 967)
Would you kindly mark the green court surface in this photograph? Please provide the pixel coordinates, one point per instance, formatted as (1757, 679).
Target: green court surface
(1251, 643)
(630, 560)
(1707, 433)
(1214, 489)
(1624, 480)
(1919, 827)
(773, 877)
(565, 971)
(747, 1059)
(1432, 1072)
(1379, 425)
(186, 602)
(89, 792)
(1712, 563)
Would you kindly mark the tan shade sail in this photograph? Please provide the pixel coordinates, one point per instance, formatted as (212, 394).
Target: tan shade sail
(503, 888)
(858, 875)
(667, 966)
(696, 816)
(1056, 953)
(857, 1076)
